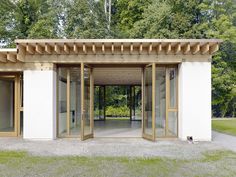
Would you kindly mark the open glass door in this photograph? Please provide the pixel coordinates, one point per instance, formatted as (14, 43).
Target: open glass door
(148, 100)
(87, 86)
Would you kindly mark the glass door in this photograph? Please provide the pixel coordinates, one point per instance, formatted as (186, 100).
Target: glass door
(9, 105)
(87, 90)
(148, 100)
(172, 103)
(166, 109)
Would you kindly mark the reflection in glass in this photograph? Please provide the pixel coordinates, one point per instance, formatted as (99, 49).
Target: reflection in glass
(75, 101)
(87, 125)
(99, 102)
(136, 103)
(148, 101)
(6, 105)
(172, 124)
(160, 101)
(173, 96)
(62, 88)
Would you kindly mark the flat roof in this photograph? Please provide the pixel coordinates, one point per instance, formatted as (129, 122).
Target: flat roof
(109, 47)
(118, 40)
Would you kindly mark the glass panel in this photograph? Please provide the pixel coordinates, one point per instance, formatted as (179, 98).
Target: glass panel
(99, 102)
(6, 105)
(173, 96)
(137, 104)
(148, 101)
(75, 100)
(160, 101)
(62, 99)
(87, 123)
(172, 123)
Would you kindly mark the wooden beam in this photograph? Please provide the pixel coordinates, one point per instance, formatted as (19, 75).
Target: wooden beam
(196, 49)
(150, 48)
(57, 48)
(122, 48)
(205, 49)
(75, 48)
(214, 48)
(66, 49)
(94, 49)
(140, 48)
(178, 48)
(131, 48)
(11, 57)
(186, 48)
(84, 49)
(29, 49)
(48, 49)
(3, 58)
(168, 48)
(103, 48)
(159, 48)
(112, 49)
(20, 53)
(39, 49)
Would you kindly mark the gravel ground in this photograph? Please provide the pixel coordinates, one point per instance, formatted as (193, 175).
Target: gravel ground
(130, 147)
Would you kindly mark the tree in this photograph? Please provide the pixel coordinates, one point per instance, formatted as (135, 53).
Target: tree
(85, 19)
(27, 19)
(168, 19)
(220, 22)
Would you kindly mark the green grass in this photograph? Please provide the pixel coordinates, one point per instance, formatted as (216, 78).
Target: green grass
(227, 126)
(214, 163)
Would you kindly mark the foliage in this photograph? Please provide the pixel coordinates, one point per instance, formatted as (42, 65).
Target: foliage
(121, 111)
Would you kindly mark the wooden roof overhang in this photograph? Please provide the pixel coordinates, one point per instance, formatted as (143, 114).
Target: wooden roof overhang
(8, 55)
(110, 48)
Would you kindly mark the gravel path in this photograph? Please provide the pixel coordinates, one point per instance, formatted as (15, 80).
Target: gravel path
(224, 140)
(131, 147)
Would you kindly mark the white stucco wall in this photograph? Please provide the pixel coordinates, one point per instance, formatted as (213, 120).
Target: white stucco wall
(39, 104)
(195, 100)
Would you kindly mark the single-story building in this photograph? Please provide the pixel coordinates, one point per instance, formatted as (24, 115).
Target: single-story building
(47, 87)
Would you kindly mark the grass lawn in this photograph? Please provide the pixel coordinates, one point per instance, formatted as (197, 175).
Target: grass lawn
(214, 163)
(227, 126)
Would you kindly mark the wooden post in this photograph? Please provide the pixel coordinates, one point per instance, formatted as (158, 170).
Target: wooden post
(68, 102)
(134, 101)
(104, 106)
(130, 101)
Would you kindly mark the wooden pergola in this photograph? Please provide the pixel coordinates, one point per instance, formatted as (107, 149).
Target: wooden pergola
(108, 47)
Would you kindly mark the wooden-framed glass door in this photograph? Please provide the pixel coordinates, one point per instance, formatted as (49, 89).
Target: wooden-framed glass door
(87, 94)
(69, 101)
(166, 108)
(9, 104)
(148, 95)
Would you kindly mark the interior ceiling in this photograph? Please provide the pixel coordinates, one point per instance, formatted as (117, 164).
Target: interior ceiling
(117, 76)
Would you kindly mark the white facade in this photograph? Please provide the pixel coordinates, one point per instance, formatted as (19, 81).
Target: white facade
(195, 100)
(39, 104)
(36, 60)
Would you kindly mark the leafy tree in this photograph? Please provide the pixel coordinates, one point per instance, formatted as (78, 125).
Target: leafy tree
(27, 19)
(168, 19)
(219, 22)
(85, 19)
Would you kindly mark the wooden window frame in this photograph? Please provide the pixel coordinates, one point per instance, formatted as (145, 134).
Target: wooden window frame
(17, 104)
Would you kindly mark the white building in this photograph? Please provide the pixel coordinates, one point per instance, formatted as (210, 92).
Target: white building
(47, 87)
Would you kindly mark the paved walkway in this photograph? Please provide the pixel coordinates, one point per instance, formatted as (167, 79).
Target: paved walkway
(224, 140)
(132, 147)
